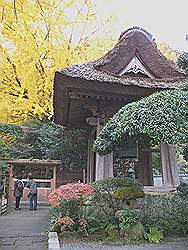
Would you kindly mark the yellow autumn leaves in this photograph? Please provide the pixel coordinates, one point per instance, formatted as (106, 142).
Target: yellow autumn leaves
(36, 38)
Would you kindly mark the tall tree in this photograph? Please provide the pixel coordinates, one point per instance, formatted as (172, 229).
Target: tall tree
(44, 141)
(183, 62)
(36, 38)
(168, 52)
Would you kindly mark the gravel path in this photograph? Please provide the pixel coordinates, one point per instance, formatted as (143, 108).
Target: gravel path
(169, 244)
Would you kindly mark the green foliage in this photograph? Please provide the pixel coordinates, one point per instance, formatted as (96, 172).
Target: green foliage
(103, 214)
(67, 208)
(112, 232)
(4, 169)
(14, 130)
(185, 153)
(129, 224)
(103, 206)
(129, 193)
(183, 189)
(183, 62)
(161, 116)
(154, 235)
(136, 232)
(169, 212)
(114, 183)
(127, 218)
(49, 141)
(106, 189)
(9, 135)
(181, 161)
(98, 219)
(100, 211)
(57, 212)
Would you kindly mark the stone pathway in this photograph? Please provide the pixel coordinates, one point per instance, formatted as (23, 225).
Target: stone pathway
(24, 229)
(170, 244)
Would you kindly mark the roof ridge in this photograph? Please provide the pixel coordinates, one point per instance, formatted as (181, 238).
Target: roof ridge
(137, 28)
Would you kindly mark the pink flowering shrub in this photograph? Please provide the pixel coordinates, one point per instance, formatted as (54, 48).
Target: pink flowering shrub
(68, 201)
(70, 191)
(66, 221)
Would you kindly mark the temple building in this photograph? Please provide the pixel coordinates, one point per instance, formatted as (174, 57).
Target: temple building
(91, 93)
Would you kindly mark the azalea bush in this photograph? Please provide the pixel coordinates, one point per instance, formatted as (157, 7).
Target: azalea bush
(88, 208)
(97, 210)
(66, 207)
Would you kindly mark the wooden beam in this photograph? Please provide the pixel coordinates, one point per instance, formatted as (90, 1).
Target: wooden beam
(54, 176)
(33, 162)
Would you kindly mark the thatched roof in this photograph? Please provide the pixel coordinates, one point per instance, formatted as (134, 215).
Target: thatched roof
(134, 41)
(90, 73)
(134, 68)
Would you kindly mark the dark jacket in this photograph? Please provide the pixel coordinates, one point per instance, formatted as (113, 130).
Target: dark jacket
(31, 184)
(18, 188)
(1, 190)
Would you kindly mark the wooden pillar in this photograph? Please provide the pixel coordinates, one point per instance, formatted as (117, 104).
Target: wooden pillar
(169, 165)
(104, 166)
(104, 163)
(145, 172)
(90, 162)
(11, 186)
(54, 176)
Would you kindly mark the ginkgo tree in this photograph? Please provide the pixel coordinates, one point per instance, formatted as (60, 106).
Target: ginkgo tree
(36, 38)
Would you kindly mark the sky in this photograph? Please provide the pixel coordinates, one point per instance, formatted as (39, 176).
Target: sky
(166, 20)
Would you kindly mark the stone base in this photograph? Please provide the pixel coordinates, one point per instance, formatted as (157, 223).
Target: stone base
(159, 190)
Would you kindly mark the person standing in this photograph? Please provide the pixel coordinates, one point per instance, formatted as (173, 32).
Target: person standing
(18, 192)
(32, 194)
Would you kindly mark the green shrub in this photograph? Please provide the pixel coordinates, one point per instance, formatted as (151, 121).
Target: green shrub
(4, 178)
(67, 203)
(183, 189)
(114, 183)
(97, 218)
(133, 192)
(108, 192)
(136, 232)
(129, 224)
(154, 235)
(169, 212)
(113, 233)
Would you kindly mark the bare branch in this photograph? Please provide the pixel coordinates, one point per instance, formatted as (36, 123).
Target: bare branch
(16, 95)
(94, 31)
(73, 26)
(40, 6)
(2, 16)
(15, 12)
(85, 25)
(14, 69)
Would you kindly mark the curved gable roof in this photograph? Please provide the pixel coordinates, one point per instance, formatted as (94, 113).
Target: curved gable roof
(136, 41)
